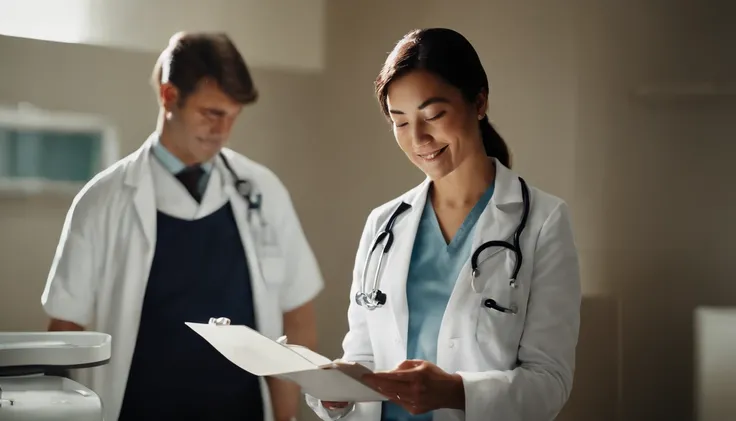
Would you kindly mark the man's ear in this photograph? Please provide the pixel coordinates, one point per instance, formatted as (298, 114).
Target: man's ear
(168, 96)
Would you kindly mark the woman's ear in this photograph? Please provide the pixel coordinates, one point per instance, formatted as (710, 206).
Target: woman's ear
(481, 104)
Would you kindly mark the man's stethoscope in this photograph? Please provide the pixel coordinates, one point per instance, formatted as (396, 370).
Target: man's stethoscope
(375, 298)
(245, 189)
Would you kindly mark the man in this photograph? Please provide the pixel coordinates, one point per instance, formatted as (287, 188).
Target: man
(163, 237)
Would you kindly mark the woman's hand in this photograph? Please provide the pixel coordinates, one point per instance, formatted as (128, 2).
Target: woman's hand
(419, 387)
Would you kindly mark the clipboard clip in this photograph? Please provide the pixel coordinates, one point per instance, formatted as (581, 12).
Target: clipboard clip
(219, 321)
(224, 321)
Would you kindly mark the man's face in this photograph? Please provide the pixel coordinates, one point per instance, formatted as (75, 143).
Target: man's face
(199, 125)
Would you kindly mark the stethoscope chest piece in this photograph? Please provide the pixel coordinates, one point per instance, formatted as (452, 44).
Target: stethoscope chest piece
(371, 300)
(243, 187)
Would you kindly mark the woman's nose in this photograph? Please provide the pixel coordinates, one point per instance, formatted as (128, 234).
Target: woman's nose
(419, 134)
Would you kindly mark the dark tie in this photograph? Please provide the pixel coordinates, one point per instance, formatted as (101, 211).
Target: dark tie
(190, 177)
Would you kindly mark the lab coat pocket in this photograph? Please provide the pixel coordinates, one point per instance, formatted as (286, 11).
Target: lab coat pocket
(273, 266)
(501, 308)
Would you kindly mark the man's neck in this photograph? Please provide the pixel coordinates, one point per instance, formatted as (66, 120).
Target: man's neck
(166, 139)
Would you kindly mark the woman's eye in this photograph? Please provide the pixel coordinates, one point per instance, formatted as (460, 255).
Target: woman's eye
(437, 116)
(397, 125)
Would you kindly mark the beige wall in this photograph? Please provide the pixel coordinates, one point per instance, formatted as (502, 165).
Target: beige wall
(647, 180)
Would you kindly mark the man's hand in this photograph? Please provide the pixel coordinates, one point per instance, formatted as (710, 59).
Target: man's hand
(300, 328)
(56, 325)
(419, 387)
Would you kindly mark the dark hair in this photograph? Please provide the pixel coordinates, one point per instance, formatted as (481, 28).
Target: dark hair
(191, 58)
(451, 57)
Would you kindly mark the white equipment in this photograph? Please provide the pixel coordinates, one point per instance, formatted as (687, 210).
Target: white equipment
(28, 391)
(715, 363)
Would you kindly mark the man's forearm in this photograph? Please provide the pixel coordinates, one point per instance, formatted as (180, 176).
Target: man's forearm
(300, 328)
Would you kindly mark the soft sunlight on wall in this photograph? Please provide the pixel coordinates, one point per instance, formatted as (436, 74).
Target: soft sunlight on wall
(49, 20)
(285, 34)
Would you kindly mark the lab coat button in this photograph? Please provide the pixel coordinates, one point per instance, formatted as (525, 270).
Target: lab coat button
(451, 344)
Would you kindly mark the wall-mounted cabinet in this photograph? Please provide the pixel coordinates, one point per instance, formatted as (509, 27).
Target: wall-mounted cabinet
(52, 152)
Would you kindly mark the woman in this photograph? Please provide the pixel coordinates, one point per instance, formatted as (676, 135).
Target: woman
(449, 344)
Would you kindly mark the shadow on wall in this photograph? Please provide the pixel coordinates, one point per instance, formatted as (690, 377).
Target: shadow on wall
(595, 389)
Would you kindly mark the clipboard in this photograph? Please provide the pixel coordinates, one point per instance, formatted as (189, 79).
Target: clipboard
(259, 355)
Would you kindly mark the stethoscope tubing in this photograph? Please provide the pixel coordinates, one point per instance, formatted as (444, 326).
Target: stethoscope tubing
(376, 298)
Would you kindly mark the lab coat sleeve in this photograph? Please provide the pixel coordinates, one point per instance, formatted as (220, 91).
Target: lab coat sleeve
(302, 278)
(539, 388)
(71, 284)
(356, 345)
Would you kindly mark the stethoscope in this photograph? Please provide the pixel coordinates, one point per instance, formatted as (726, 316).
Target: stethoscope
(245, 190)
(375, 298)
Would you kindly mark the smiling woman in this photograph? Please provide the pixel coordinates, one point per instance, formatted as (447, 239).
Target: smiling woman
(482, 288)
(442, 67)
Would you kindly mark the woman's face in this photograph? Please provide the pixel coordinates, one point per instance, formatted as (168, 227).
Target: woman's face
(433, 123)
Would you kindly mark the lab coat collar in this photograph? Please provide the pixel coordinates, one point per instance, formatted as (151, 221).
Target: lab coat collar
(503, 214)
(137, 169)
(507, 190)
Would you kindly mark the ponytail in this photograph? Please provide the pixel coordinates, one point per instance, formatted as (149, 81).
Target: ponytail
(493, 143)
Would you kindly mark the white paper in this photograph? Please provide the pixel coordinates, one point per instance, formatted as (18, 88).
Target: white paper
(333, 385)
(261, 356)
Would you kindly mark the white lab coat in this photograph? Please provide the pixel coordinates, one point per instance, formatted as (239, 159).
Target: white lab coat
(481, 344)
(100, 270)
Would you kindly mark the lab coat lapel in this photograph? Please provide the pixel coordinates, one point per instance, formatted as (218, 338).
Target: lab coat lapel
(240, 212)
(503, 213)
(497, 223)
(126, 296)
(138, 176)
(398, 259)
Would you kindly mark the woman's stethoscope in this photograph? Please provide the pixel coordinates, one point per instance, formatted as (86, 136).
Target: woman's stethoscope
(375, 298)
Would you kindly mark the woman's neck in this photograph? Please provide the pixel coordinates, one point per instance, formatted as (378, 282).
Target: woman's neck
(465, 185)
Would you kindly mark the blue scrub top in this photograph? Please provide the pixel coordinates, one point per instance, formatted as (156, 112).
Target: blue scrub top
(433, 271)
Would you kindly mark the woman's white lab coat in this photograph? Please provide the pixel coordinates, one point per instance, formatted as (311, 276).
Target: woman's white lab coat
(514, 367)
(100, 270)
